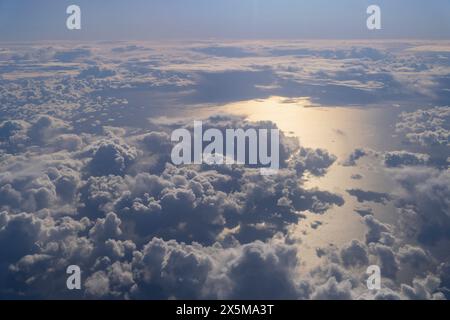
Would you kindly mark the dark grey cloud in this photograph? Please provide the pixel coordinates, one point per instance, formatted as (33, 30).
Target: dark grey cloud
(423, 205)
(354, 156)
(369, 196)
(403, 158)
(364, 211)
(415, 257)
(387, 258)
(355, 254)
(377, 232)
(423, 289)
(111, 158)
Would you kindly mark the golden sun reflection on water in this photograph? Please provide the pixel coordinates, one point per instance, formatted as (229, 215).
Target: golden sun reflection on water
(339, 130)
(330, 128)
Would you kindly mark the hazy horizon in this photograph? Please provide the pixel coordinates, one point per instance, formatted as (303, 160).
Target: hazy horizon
(22, 20)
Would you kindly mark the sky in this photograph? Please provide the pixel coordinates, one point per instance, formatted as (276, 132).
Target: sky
(24, 20)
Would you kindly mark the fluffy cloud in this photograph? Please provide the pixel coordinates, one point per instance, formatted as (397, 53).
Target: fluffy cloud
(423, 289)
(179, 271)
(93, 205)
(426, 127)
(423, 203)
(403, 158)
(332, 290)
(377, 231)
(371, 196)
(355, 156)
(314, 161)
(354, 254)
(86, 179)
(111, 158)
(96, 72)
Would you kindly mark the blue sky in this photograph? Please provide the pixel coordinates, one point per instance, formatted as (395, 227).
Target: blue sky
(230, 19)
